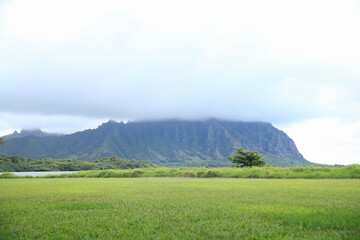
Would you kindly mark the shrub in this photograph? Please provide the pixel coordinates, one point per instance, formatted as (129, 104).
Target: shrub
(8, 175)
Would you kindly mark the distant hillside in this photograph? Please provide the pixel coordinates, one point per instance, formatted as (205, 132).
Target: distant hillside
(175, 142)
(32, 132)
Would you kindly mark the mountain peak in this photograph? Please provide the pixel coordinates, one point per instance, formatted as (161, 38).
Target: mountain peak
(29, 132)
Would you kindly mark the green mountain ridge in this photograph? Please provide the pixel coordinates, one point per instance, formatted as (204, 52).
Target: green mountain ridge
(29, 132)
(172, 142)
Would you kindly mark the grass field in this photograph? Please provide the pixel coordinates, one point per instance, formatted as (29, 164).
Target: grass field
(179, 208)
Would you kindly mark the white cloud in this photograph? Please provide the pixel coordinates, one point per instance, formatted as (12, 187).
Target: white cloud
(328, 141)
(278, 61)
(54, 21)
(10, 122)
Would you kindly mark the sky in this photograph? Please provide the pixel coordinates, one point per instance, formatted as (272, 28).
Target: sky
(70, 65)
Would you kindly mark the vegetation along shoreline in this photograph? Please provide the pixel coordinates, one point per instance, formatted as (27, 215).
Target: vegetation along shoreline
(347, 172)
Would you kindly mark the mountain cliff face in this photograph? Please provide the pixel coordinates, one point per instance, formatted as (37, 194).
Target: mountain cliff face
(176, 143)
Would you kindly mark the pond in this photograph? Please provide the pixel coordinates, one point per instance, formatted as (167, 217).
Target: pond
(34, 174)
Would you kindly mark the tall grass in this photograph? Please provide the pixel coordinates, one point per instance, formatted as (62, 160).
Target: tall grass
(352, 171)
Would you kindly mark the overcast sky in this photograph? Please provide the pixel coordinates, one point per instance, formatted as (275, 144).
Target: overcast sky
(70, 65)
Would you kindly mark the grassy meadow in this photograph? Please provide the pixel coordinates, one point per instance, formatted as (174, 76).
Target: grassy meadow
(179, 208)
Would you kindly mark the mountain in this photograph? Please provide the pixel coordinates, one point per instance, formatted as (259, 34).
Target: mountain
(172, 142)
(29, 132)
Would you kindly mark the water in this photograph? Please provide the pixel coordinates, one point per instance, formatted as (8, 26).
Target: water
(34, 174)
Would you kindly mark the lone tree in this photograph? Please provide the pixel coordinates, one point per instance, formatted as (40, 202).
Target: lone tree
(2, 140)
(245, 158)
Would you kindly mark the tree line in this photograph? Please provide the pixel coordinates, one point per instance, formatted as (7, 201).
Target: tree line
(20, 164)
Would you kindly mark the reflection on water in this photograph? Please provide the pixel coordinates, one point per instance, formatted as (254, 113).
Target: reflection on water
(39, 173)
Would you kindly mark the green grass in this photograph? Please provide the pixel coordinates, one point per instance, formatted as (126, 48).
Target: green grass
(179, 208)
(352, 171)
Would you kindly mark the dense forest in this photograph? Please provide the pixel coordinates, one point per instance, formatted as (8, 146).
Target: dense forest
(20, 164)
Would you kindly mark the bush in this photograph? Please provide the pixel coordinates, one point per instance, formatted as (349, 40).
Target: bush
(212, 174)
(8, 175)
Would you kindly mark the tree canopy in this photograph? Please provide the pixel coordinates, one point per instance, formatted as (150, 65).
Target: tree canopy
(245, 158)
(2, 140)
(20, 164)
